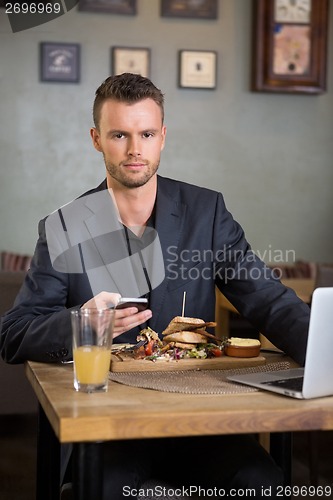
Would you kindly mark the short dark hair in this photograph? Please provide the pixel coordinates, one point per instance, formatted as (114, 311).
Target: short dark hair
(129, 88)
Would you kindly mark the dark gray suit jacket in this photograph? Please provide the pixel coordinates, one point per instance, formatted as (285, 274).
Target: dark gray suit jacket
(203, 247)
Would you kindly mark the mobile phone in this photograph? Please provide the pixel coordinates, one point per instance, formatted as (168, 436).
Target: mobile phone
(140, 303)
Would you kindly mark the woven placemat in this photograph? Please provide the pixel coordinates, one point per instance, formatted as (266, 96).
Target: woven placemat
(193, 381)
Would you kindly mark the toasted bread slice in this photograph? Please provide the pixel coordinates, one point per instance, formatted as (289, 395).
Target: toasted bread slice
(182, 345)
(180, 323)
(186, 336)
(208, 335)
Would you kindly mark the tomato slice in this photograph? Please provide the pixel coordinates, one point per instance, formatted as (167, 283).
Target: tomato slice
(149, 348)
(216, 352)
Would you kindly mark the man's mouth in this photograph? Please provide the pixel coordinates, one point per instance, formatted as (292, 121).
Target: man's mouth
(134, 165)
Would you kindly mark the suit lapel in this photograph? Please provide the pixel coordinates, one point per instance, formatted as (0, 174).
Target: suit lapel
(169, 219)
(107, 236)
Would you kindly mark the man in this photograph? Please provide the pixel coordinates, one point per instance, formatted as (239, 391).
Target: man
(105, 231)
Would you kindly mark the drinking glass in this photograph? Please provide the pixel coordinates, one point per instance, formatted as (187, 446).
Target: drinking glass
(92, 341)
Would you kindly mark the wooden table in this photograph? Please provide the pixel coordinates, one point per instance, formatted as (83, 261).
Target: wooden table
(126, 412)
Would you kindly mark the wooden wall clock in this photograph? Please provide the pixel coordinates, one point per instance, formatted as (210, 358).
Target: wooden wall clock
(289, 46)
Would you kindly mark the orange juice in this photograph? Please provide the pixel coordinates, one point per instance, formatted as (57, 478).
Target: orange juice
(91, 364)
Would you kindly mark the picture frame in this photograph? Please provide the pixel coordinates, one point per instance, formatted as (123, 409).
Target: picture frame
(130, 60)
(197, 69)
(60, 62)
(289, 48)
(122, 7)
(202, 9)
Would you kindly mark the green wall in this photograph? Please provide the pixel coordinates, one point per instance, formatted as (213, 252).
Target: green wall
(270, 155)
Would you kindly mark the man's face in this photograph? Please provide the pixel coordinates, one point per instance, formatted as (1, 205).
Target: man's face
(131, 138)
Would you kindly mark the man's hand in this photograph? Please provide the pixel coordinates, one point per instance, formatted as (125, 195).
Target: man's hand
(103, 300)
(128, 318)
(125, 319)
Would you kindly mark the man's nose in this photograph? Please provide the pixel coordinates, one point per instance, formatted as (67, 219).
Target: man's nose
(134, 147)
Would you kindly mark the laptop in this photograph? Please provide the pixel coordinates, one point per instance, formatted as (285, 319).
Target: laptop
(316, 378)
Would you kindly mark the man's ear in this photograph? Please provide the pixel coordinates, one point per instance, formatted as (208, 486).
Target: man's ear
(163, 137)
(96, 139)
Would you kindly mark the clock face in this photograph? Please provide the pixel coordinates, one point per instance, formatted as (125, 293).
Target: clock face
(292, 11)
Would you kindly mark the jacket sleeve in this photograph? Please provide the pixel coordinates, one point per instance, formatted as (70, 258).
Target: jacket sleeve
(38, 326)
(257, 294)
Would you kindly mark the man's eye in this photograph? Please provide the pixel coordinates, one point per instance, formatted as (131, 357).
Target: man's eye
(148, 134)
(118, 136)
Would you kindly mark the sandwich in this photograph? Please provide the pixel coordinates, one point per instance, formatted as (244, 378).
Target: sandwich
(186, 333)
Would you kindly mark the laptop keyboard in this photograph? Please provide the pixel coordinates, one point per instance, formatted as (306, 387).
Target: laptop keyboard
(295, 384)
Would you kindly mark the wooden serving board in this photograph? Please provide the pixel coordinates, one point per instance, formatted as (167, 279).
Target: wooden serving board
(144, 365)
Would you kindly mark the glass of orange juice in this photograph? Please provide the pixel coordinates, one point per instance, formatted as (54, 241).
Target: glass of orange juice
(92, 341)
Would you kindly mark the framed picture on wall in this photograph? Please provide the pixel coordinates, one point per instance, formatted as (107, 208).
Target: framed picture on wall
(130, 60)
(290, 46)
(204, 9)
(197, 69)
(60, 62)
(124, 7)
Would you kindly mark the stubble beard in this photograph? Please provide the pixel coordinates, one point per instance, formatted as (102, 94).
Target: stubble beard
(133, 180)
